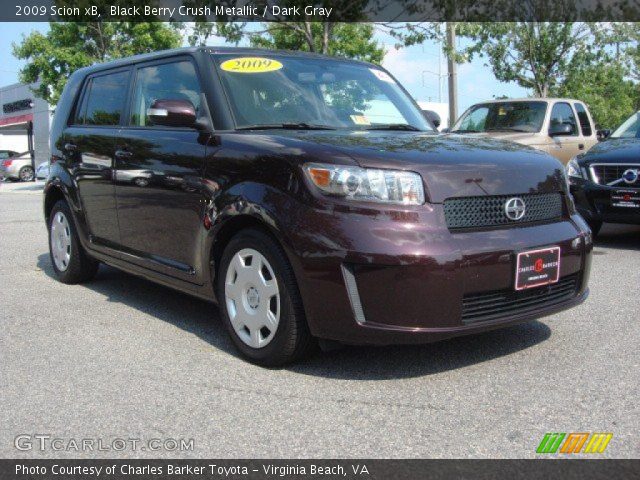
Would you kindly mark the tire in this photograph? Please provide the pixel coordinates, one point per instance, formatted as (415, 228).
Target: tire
(26, 174)
(595, 226)
(70, 261)
(255, 284)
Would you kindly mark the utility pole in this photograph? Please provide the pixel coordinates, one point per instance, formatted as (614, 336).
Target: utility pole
(453, 74)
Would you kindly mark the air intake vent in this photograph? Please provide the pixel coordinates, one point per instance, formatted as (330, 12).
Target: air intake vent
(496, 305)
(489, 211)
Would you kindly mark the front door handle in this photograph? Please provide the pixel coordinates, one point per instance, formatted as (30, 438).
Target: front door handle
(123, 154)
(581, 146)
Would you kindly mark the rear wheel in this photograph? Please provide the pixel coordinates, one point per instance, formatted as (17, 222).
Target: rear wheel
(70, 262)
(259, 300)
(26, 174)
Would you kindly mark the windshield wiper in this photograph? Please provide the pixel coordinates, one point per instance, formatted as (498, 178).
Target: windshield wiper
(286, 126)
(395, 126)
(462, 130)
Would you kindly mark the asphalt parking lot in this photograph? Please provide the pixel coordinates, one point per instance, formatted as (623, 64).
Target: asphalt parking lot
(124, 358)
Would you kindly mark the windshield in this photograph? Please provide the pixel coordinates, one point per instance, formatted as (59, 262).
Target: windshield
(629, 129)
(278, 90)
(503, 116)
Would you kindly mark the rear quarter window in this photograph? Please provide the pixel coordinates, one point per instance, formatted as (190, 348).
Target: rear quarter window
(103, 100)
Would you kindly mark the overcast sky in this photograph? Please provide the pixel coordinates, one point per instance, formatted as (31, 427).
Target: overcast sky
(412, 66)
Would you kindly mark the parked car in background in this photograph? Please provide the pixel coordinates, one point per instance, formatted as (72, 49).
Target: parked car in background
(605, 181)
(562, 127)
(260, 180)
(42, 172)
(7, 153)
(17, 167)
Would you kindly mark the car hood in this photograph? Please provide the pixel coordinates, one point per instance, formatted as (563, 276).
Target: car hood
(614, 150)
(518, 137)
(451, 165)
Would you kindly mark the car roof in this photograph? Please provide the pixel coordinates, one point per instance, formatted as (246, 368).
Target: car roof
(531, 99)
(122, 62)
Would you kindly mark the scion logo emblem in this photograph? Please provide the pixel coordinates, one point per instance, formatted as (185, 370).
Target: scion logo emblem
(630, 176)
(514, 208)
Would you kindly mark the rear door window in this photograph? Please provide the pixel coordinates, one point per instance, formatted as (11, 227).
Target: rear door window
(104, 100)
(583, 117)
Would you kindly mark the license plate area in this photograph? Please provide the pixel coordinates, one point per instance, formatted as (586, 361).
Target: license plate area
(625, 198)
(535, 268)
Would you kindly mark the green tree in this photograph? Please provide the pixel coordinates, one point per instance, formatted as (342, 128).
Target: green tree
(68, 46)
(351, 40)
(605, 88)
(624, 37)
(535, 55)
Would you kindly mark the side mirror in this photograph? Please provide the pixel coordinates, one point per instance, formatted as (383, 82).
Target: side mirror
(603, 134)
(172, 113)
(432, 117)
(560, 129)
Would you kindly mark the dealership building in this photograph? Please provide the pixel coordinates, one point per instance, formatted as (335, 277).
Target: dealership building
(24, 122)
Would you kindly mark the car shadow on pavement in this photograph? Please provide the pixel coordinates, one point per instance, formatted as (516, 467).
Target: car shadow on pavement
(21, 186)
(349, 362)
(406, 361)
(623, 237)
(188, 313)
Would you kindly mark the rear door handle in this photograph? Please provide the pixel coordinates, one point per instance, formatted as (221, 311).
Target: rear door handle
(123, 154)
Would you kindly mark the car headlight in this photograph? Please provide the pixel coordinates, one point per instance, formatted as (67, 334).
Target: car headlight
(573, 169)
(367, 184)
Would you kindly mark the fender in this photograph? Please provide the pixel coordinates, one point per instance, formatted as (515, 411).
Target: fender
(244, 205)
(61, 180)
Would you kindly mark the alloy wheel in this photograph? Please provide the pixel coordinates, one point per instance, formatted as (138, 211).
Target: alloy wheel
(60, 241)
(26, 174)
(252, 298)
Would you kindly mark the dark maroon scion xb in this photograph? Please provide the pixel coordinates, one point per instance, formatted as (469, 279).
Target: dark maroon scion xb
(309, 197)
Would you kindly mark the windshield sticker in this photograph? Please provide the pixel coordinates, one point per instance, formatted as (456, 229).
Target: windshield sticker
(384, 76)
(360, 120)
(251, 65)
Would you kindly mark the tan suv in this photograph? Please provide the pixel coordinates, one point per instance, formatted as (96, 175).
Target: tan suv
(560, 126)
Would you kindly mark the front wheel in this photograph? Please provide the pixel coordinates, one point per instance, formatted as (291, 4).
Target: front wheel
(259, 301)
(70, 262)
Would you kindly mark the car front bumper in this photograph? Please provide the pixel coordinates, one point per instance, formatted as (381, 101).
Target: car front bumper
(405, 278)
(593, 202)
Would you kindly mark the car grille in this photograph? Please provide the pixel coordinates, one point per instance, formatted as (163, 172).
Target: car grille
(488, 211)
(495, 305)
(605, 174)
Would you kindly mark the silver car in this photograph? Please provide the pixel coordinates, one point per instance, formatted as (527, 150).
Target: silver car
(17, 167)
